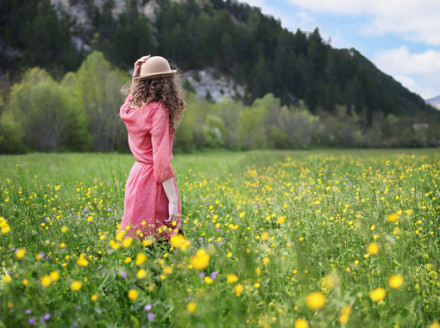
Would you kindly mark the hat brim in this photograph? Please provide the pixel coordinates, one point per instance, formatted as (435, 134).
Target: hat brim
(155, 75)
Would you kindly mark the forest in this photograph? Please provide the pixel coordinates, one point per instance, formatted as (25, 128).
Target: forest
(300, 92)
(81, 113)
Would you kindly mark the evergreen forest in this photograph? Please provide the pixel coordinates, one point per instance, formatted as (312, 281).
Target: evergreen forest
(299, 91)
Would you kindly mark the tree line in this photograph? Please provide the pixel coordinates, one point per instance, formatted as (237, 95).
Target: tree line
(80, 112)
(232, 37)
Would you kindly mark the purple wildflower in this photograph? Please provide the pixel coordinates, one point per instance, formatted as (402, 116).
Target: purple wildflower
(124, 274)
(45, 317)
(147, 307)
(31, 321)
(202, 275)
(151, 316)
(28, 311)
(214, 274)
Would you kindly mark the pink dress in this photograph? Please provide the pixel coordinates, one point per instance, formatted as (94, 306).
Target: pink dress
(150, 140)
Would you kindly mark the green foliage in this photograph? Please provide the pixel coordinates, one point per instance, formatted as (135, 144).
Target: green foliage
(81, 113)
(299, 125)
(232, 37)
(229, 111)
(11, 134)
(98, 88)
(34, 29)
(48, 116)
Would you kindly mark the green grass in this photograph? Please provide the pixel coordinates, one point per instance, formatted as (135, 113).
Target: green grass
(286, 223)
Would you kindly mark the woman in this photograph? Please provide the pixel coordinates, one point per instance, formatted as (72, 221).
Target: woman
(151, 111)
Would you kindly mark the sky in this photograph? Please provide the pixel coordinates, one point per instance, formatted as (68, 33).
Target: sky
(401, 37)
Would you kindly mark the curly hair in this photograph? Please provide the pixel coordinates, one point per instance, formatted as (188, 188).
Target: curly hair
(165, 90)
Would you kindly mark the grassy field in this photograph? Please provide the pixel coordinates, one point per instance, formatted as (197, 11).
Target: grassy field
(274, 239)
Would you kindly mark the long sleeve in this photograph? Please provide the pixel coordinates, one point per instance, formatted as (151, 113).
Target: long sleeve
(126, 103)
(160, 139)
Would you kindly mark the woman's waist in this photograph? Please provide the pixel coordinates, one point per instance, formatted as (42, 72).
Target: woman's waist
(144, 161)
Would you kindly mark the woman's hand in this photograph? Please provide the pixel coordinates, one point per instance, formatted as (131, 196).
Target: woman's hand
(173, 212)
(173, 209)
(137, 70)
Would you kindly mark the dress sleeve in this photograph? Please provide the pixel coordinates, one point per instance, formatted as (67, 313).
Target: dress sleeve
(160, 139)
(126, 103)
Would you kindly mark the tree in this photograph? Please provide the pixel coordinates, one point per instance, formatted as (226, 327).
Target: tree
(98, 87)
(45, 114)
(133, 36)
(47, 40)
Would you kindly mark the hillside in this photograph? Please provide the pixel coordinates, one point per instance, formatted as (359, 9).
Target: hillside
(211, 40)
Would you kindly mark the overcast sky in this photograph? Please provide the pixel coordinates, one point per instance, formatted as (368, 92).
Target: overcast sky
(401, 37)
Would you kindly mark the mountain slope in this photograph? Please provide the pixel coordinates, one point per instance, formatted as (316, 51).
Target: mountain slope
(434, 102)
(230, 39)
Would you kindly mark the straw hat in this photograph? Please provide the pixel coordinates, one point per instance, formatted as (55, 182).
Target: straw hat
(155, 67)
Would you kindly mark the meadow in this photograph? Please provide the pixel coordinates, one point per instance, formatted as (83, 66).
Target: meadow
(323, 238)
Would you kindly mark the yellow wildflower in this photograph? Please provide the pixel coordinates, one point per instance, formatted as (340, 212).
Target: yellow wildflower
(75, 285)
(373, 248)
(392, 217)
(301, 323)
(231, 278)
(46, 281)
(82, 261)
(377, 294)
(435, 324)
(200, 260)
(316, 300)
(54, 275)
(140, 258)
(281, 219)
(20, 253)
(127, 242)
(141, 274)
(191, 307)
(395, 281)
(345, 312)
(238, 289)
(6, 278)
(179, 241)
(133, 294)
